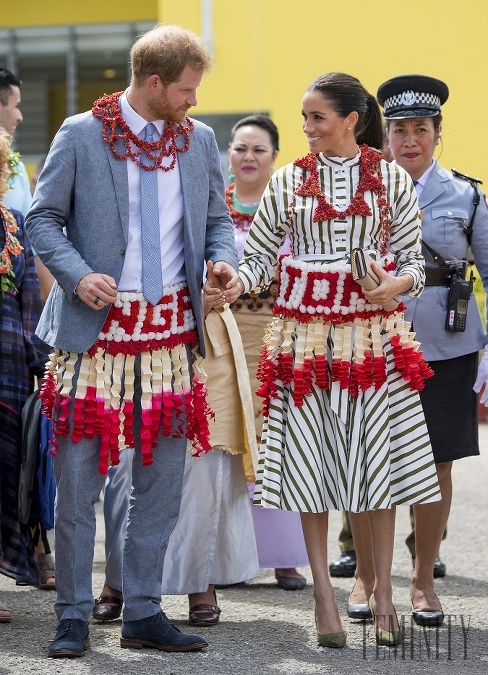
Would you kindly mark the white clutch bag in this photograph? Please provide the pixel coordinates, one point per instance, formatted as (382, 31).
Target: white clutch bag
(363, 274)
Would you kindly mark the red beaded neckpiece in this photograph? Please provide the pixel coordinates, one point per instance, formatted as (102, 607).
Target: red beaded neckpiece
(115, 128)
(370, 180)
(241, 220)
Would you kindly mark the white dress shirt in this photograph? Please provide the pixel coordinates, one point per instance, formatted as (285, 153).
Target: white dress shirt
(170, 201)
(422, 181)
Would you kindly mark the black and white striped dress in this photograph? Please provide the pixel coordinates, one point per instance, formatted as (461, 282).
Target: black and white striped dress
(338, 449)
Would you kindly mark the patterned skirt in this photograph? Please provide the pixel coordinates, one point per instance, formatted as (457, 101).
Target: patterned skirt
(344, 426)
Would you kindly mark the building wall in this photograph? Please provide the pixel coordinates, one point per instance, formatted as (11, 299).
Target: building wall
(267, 52)
(24, 13)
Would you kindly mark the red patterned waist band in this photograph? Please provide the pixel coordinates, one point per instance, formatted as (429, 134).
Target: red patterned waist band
(136, 382)
(311, 291)
(133, 325)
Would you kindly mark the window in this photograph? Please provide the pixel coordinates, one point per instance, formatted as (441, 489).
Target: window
(63, 70)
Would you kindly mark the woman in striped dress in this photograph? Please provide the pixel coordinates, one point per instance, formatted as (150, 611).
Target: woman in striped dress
(340, 374)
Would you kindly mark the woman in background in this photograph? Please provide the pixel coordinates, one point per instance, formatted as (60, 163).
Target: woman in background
(253, 149)
(22, 358)
(213, 541)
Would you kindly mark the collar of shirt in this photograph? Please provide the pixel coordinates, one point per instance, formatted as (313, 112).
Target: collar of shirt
(422, 181)
(134, 120)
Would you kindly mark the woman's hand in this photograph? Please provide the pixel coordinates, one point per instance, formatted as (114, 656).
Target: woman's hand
(212, 297)
(389, 287)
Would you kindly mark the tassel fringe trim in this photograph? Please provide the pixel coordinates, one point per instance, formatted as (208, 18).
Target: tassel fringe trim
(103, 399)
(306, 354)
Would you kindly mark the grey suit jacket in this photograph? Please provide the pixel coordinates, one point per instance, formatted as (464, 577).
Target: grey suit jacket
(447, 205)
(79, 223)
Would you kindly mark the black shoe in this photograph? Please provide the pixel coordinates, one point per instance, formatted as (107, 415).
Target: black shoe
(428, 617)
(359, 612)
(71, 639)
(434, 618)
(439, 567)
(107, 608)
(345, 566)
(158, 632)
(291, 583)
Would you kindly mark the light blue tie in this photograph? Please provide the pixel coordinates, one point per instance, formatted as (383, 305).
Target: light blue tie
(152, 274)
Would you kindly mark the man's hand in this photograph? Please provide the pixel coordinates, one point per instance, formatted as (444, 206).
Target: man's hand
(223, 276)
(97, 290)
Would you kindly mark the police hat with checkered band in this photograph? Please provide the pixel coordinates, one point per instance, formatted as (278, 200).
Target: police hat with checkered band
(412, 96)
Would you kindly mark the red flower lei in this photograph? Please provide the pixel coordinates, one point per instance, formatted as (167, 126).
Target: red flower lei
(370, 180)
(241, 220)
(115, 128)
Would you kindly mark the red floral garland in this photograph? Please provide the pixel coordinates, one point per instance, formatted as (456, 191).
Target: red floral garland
(115, 128)
(241, 220)
(11, 247)
(371, 180)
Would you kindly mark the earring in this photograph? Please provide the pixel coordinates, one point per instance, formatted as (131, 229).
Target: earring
(231, 176)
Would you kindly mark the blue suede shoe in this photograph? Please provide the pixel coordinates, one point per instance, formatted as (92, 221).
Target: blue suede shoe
(158, 632)
(71, 639)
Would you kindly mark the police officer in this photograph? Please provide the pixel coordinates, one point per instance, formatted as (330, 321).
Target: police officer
(445, 317)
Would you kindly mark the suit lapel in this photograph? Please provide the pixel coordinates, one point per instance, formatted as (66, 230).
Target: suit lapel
(118, 167)
(190, 218)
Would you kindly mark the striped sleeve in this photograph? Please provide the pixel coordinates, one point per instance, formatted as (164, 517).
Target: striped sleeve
(405, 234)
(267, 234)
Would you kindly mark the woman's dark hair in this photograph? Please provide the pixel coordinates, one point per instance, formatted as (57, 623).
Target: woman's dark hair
(346, 94)
(262, 121)
(437, 120)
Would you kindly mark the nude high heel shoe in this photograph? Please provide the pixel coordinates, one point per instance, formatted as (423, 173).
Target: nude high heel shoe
(336, 640)
(387, 638)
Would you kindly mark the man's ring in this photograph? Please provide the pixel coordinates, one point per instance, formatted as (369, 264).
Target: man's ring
(97, 300)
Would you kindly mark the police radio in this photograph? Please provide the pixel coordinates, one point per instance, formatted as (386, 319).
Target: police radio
(457, 304)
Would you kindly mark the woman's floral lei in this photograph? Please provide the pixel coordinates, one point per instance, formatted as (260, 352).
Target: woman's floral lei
(370, 180)
(13, 161)
(12, 247)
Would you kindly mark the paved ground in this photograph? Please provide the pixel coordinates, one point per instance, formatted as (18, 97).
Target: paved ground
(269, 631)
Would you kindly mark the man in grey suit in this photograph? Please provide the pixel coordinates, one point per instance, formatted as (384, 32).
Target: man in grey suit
(123, 317)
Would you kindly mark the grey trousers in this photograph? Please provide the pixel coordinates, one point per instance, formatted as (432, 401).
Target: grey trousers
(115, 507)
(153, 512)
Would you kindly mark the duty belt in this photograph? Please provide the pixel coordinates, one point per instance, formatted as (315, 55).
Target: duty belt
(438, 276)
